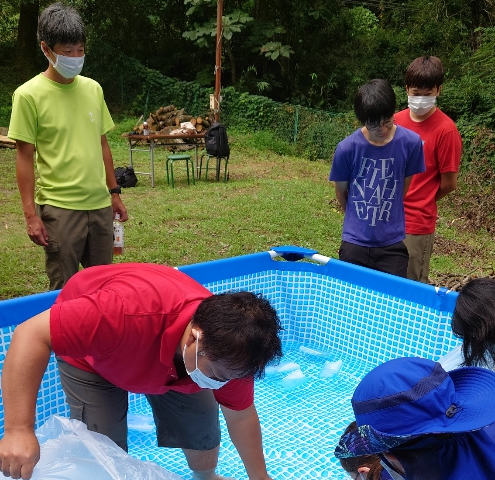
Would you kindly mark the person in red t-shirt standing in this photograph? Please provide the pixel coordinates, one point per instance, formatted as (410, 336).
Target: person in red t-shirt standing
(148, 329)
(442, 146)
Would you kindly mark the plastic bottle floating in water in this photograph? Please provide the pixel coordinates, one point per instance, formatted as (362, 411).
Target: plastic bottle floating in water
(141, 423)
(316, 353)
(281, 368)
(330, 369)
(294, 379)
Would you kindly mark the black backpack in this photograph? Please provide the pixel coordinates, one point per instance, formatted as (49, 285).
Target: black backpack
(216, 141)
(125, 177)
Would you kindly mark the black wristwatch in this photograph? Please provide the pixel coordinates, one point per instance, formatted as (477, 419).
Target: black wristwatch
(115, 190)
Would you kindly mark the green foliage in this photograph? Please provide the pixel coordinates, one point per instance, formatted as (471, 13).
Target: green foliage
(363, 22)
(231, 24)
(5, 104)
(401, 98)
(10, 79)
(8, 22)
(472, 96)
(308, 52)
(322, 133)
(478, 146)
(265, 140)
(131, 86)
(275, 49)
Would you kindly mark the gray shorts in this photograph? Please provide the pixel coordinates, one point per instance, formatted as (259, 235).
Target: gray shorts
(182, 421)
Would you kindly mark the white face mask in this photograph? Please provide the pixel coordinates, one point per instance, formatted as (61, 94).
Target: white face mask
(421, 105)
(68, 67)
(198, 377)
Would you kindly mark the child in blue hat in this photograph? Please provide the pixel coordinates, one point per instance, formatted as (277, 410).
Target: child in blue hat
(424, 422)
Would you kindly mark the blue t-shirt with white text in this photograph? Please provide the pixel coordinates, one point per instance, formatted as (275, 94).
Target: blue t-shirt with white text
(374, 215)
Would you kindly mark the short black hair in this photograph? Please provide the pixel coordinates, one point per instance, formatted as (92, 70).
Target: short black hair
(59, 23)
(240, 328)
(374, 102)
(424, 72)
(473, 320)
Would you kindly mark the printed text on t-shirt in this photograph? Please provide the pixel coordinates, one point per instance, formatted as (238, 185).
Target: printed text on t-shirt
(373, 190)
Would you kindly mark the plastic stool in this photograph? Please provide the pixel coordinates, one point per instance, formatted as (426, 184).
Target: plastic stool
(217, 169)
(170, 161)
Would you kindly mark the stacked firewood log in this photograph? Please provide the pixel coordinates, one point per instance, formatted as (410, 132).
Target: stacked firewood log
(167, 119)
(5, 141)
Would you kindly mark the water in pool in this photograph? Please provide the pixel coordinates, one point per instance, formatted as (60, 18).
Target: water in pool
(302, 418)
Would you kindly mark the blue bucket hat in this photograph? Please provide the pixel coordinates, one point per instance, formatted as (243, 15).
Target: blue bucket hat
(406, 398)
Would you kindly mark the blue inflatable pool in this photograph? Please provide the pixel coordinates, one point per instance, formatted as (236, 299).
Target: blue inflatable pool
(331, 311)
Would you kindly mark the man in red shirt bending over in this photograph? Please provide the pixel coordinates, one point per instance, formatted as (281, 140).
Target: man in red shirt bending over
(442, 146)
(149, 329)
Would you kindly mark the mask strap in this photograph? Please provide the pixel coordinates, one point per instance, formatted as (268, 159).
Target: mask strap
(48, 56)
(197, 338)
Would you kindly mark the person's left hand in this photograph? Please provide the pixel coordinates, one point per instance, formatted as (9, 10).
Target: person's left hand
(118, 207)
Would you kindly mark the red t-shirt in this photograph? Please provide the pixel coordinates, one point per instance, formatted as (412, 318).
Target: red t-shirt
(125, 321)
(442, 147)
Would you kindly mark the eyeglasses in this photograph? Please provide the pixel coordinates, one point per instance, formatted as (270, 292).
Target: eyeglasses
(388, 125)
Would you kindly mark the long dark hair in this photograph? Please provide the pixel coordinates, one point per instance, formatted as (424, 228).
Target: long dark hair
(474, 321)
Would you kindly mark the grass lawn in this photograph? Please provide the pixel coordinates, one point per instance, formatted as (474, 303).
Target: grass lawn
(269, 200)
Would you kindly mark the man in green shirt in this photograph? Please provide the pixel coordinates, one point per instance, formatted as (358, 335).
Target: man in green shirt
(62, 118)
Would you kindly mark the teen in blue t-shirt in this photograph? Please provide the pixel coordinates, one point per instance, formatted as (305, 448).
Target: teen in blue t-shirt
(372, 169)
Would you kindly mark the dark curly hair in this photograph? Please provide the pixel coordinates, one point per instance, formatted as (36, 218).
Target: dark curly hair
(473, 320)
(240, 328)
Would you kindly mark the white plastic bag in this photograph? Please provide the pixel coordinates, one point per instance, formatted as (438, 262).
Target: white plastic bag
(69, 451)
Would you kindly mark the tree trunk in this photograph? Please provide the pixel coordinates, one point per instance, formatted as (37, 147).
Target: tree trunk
(26, 37)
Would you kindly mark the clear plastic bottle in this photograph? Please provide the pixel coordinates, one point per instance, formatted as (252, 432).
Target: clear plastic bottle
(146, 130)
(118, 236)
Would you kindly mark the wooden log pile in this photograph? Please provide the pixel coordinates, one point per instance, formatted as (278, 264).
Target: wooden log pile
(6, 142)
(167, 119)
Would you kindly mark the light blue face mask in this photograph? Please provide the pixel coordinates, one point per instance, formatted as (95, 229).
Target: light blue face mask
(68, 67)
(198, 377)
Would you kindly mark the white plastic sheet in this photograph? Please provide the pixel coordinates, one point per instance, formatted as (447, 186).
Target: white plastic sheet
(69, 451)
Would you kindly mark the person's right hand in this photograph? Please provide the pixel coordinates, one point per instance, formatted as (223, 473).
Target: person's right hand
(19, 453)
(36, 230)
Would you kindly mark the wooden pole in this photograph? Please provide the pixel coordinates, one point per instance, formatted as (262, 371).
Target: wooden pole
(218, 61)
